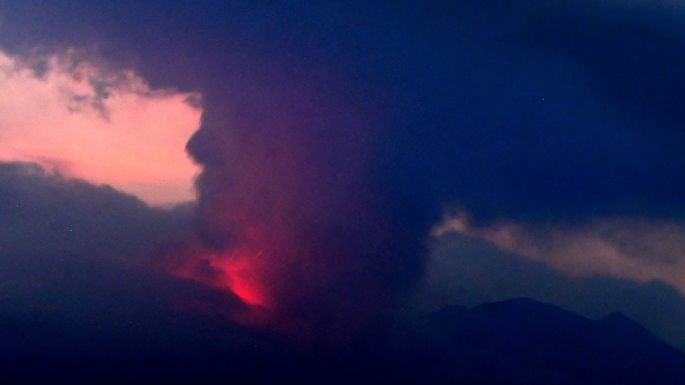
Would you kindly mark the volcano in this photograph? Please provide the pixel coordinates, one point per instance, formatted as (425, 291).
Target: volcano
(519, 341)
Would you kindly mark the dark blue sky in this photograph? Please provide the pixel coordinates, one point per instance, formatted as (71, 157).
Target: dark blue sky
(539, 108)
(534, 109)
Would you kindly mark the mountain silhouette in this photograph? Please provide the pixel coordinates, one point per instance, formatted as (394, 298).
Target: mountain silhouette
(519, 341)
(522, 341)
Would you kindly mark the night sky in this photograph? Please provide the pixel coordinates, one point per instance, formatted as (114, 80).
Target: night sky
(320, 171)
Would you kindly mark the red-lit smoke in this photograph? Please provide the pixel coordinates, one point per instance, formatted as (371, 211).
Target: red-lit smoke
(234, 271)
(295, 215)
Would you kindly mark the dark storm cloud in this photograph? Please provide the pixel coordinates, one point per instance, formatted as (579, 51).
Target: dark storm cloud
(358, 123)
(74, 252)
(541, 109)
(44, 213)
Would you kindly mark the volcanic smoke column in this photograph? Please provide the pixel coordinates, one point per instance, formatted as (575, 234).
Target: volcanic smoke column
(301, 211)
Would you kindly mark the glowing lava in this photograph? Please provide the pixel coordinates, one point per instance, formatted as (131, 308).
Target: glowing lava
(241, 279)
(236, 271)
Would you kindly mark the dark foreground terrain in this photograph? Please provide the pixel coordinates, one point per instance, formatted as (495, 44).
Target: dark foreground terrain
(520, 341)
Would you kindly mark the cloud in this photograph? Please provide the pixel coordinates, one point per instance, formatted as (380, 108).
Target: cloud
(82, 297)
(45, 213)
(109, 127)
(74, 252)
(639, 249)
(468, 271)
(290, 213)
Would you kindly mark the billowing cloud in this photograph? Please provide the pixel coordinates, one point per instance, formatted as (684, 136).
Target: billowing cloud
(80, 119)
(640, 249)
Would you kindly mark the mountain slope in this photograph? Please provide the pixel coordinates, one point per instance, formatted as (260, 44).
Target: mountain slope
(522, 341)
(518, 341)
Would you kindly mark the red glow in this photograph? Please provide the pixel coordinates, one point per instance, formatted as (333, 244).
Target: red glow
(236, 271)
(241, 279)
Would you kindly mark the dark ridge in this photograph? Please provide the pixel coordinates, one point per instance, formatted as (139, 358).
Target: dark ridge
(520, 341)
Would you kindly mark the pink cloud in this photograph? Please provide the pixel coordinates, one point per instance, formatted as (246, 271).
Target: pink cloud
(108, 127)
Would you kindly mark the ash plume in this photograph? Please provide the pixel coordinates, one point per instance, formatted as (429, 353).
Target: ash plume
(299, 213)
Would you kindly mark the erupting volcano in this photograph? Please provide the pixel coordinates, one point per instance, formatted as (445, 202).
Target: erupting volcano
(315, 240)
(234, 271)
(241, 279)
